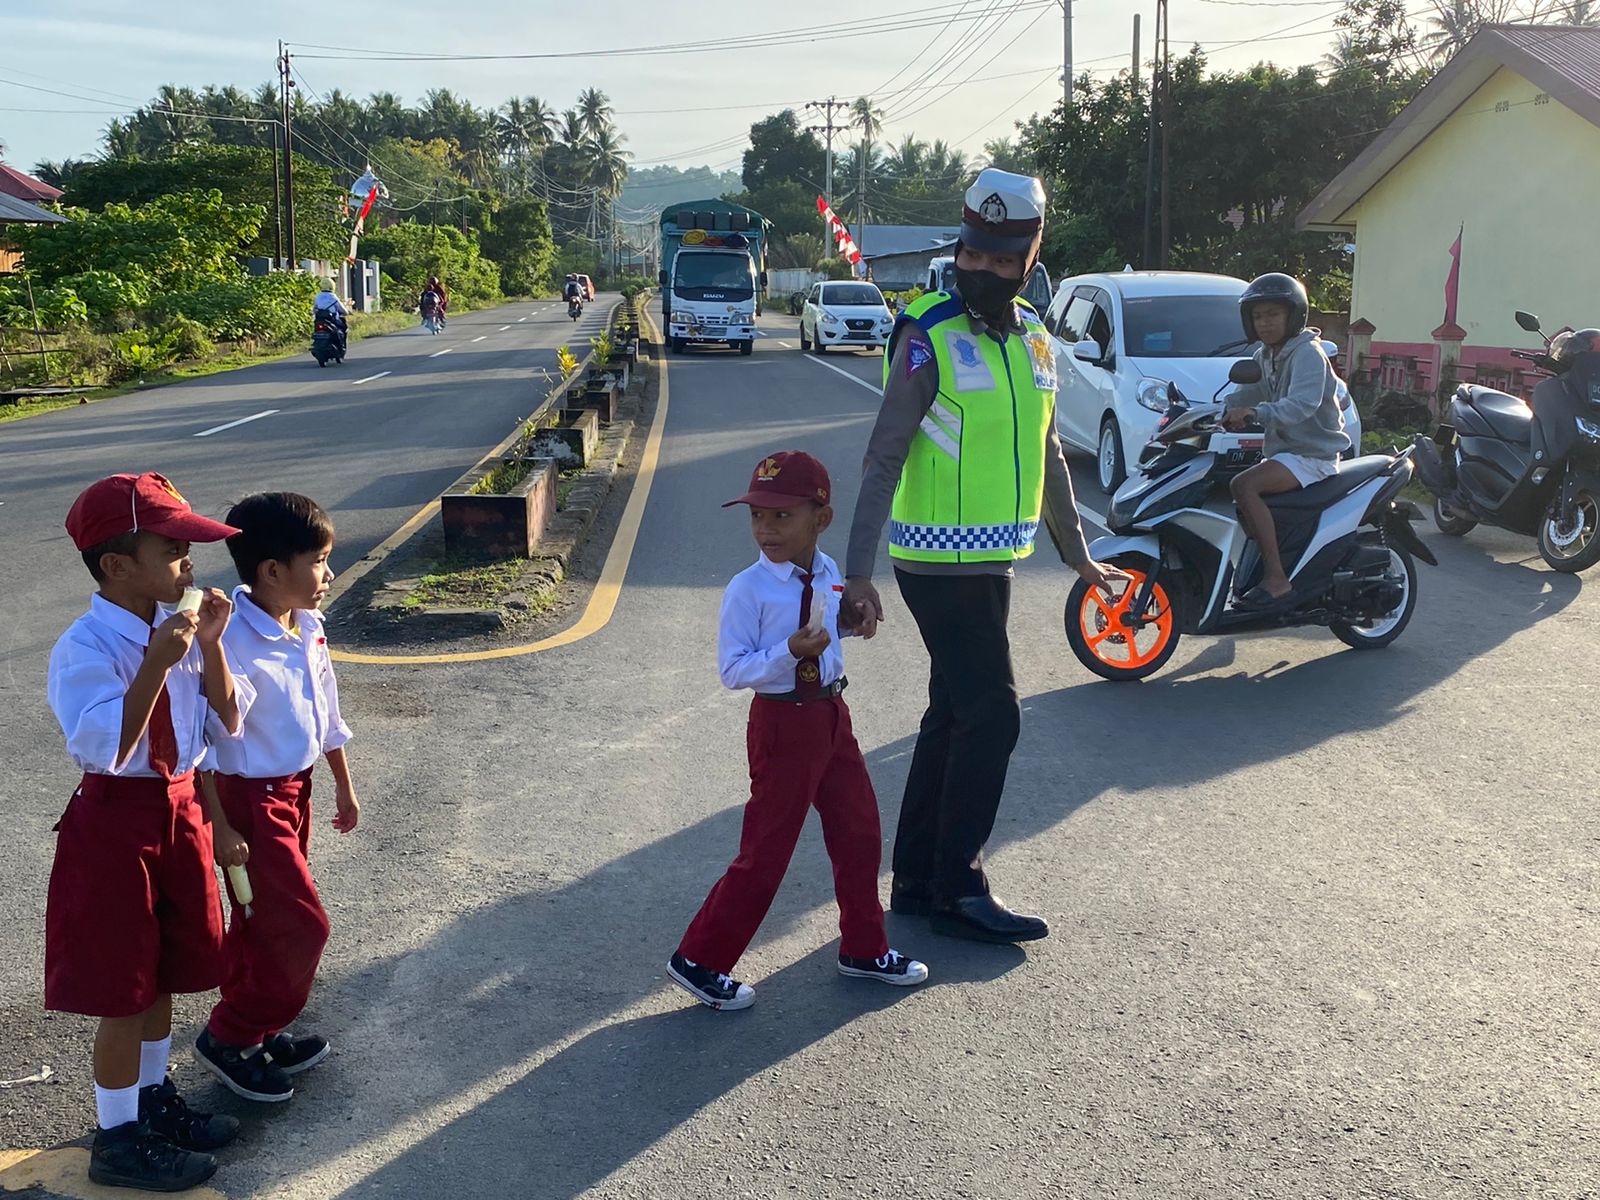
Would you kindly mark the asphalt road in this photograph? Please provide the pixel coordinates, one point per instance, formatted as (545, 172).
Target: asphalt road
(1323, 921)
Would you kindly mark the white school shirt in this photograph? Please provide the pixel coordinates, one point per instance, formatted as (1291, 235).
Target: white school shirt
(91, 668)
(294, 714)
(761, 609)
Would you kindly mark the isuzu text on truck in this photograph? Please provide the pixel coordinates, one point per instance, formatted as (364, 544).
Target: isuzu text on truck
(713, 271)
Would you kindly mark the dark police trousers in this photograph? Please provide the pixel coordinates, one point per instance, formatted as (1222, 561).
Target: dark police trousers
(958, 769)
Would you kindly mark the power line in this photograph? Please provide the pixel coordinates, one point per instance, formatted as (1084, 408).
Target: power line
(891, 23)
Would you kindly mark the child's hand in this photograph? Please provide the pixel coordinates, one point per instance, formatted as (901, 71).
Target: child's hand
(169, 641)
(215, 610)
(229, 849)
(806, 643)
(349, 810)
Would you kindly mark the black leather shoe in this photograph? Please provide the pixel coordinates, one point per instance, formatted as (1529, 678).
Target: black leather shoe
(985, 919)
(910, 899)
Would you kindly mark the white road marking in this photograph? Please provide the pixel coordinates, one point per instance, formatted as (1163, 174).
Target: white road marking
(370, 378)
(520, 320)
(1097, 517)
(787, 345)
(479, 339)
(234, 424)
(503, 328)
(446, 350)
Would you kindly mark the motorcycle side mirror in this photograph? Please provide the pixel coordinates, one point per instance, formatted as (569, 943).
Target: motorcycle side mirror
(1528, 321)
(1245, 371)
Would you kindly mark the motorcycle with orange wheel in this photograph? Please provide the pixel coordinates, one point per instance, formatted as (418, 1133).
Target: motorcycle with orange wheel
(1346, 541)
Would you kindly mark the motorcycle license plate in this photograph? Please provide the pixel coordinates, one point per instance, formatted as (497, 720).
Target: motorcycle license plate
(1247, 451)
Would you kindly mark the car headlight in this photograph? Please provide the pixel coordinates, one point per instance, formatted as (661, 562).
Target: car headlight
(1152, 394)
(886, 319)
(829, 319)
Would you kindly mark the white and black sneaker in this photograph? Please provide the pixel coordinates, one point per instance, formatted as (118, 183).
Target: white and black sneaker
(893, 968)
(711, 988)
(291, 1055)
(247, 1070)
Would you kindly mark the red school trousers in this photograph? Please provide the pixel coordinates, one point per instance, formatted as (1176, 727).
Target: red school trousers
(133, 912)
(270, 957)
(801, 754)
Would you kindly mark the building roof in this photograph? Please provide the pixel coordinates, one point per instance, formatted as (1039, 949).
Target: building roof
(903, 239)
(25, 187)
(21, 212)
(1563, 60)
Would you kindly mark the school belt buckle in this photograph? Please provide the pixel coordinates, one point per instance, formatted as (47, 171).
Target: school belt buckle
(836, 688)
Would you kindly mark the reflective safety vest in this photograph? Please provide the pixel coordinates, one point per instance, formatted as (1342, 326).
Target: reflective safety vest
(973, 484)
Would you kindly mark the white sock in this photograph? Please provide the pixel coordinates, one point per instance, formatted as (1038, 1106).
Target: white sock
(116, 1106)
(153, 1059)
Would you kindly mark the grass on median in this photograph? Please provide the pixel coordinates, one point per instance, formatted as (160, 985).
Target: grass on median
(520, 587)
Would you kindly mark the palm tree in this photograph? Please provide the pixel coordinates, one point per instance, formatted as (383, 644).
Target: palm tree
(595, 111)
(868, 118)
(383, 116)
(121, 140)
(606, 164)
(1584, 12)
(1456, 22)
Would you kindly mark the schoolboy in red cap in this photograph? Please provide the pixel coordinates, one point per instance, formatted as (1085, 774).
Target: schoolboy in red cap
(779, 637)
(133, 913)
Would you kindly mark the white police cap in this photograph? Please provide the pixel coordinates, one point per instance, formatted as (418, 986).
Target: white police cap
(1003, 213)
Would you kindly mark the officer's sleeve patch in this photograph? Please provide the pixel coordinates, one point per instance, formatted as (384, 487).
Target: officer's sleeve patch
(918, 355)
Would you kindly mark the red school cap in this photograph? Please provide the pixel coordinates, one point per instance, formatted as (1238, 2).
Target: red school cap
(788, 477)
(147, 503)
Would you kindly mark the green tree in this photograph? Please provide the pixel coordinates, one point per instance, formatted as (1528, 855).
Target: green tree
(410, 252)
(519, 239)
(781, 152)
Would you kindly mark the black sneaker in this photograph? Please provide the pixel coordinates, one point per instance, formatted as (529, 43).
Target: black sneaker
(166, 1113)
(291, 1055)
(712, 989)
(245, 1069)
(131, 1156)
(893, 968)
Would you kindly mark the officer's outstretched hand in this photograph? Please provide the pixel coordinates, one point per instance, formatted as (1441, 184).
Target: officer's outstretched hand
(1101, 576)
(808, 642)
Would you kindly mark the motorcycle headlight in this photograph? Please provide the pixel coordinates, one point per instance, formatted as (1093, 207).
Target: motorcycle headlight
(829, 319)
(1589, 429)
(1152, 394)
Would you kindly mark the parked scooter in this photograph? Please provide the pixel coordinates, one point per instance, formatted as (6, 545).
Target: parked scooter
(1346, 542)
(1533, 470)
(328, 339)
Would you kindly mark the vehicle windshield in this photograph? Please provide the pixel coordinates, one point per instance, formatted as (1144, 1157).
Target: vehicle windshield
(730, 276)
(1180, 326)
(852, 293)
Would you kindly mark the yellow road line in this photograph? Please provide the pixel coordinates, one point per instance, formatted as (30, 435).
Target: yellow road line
(65, 1172)
(602, 602)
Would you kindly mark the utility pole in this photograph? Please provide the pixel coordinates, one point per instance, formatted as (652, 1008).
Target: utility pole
(1066, 51)
(828, 129)
(277, 202)
(288, 154)
(1164, 36)
(1155, 256)
(1133, 79)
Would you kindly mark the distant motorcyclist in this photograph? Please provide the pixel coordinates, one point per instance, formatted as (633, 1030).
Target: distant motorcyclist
(444, 297)
(573, 290)
(431, 306)
(328, 306)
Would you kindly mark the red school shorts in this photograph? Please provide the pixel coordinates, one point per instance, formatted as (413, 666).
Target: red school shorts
(133, 910)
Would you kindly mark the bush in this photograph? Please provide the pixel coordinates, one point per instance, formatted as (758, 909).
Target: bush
(266, 308)
(188, 337)
(519, 239)
(139, 352)
(411, 252)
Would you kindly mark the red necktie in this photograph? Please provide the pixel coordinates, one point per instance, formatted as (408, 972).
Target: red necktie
(163, 737)
(808, 674)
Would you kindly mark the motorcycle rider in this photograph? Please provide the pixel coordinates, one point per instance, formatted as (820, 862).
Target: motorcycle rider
(431, 306)
(1296, 403)
(573, 290)
(327, 305)
(444, 297)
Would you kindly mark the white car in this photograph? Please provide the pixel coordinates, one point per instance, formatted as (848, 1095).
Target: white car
(1119, 339)
(845, 313)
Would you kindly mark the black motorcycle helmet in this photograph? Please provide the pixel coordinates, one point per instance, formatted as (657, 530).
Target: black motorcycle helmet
(1276, 286)
(1566, 348)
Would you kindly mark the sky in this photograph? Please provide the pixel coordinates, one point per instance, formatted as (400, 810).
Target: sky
(108, 55)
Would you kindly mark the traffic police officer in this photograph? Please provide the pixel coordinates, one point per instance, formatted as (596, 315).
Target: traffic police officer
(963, 462)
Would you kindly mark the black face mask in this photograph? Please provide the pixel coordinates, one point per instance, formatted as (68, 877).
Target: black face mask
(987, 294)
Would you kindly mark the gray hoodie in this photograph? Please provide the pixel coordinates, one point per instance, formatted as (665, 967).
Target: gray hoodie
(1296, 400)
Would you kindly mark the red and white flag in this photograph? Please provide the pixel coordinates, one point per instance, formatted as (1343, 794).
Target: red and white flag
(841, 232)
